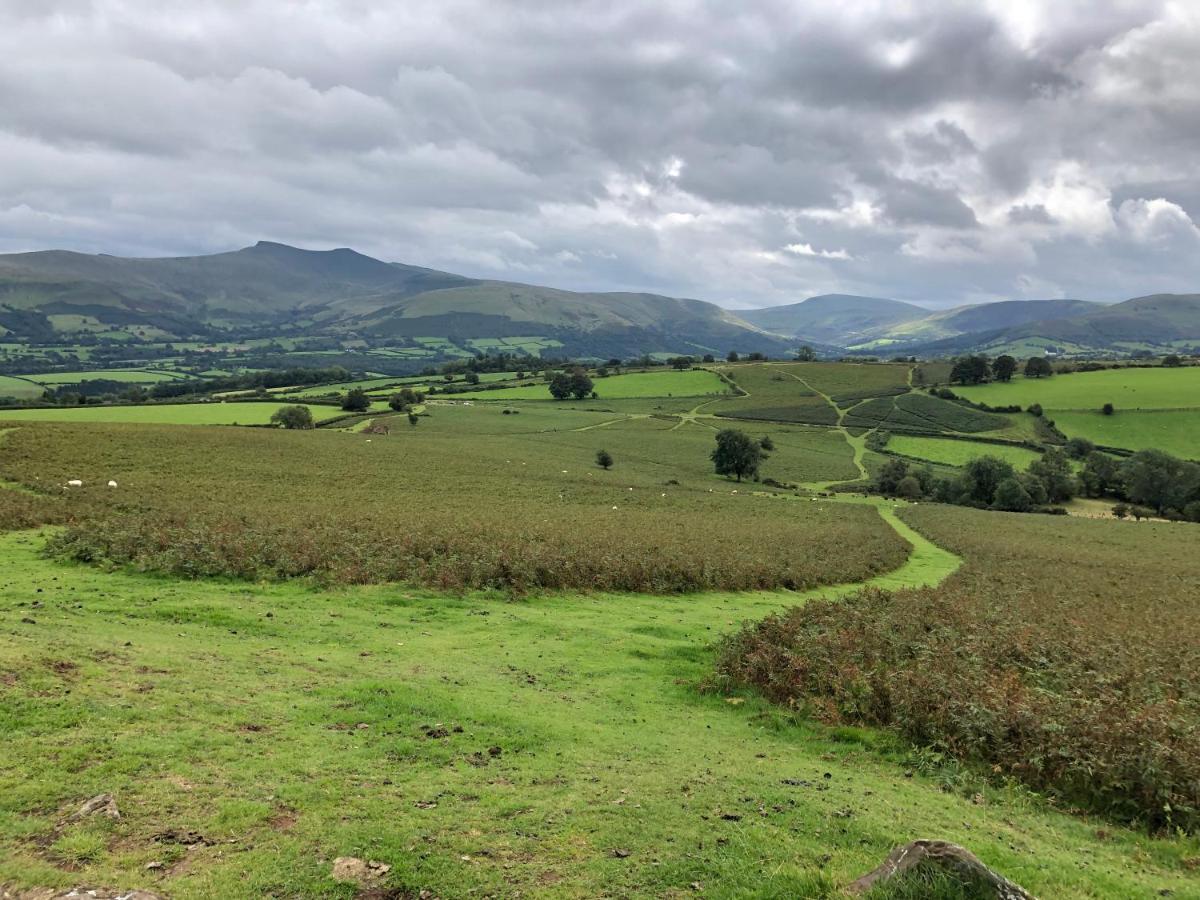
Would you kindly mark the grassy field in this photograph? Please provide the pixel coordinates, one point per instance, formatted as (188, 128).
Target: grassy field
(1177, 431)
(957, 453)
(480, 658)
(349, 745)
(20, 388)
(1125, 388)
(164, 414)
(125, 376)
(636, 385)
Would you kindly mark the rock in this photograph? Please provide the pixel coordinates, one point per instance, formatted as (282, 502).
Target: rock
(155, 866)
(365, 873)
(101, 804)
(944, 855)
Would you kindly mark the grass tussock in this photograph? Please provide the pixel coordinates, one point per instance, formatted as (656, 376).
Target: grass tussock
(1039, 660)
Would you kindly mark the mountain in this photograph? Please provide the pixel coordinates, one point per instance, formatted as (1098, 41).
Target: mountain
(1157, 323)
(274, 290)
(839, 319)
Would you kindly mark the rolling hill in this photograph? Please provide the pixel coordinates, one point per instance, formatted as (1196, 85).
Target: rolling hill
(838, 319)
(275, 290)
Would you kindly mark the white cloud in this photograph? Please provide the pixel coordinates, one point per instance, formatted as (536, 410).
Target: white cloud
(808, 250)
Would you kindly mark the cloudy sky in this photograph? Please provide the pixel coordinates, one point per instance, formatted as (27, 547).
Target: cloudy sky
(746, 153)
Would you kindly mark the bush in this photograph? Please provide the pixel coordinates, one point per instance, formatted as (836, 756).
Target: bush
(1039, 661)
(293, 417)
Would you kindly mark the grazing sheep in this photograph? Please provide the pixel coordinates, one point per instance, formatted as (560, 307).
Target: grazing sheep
(112, 484)
(74, 482)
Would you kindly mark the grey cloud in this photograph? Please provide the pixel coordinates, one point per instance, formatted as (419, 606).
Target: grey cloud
(953, 150)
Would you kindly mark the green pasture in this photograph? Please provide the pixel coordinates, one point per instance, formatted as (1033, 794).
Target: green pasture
(957, 453)
(126, 376)
(1176, 431)
(635, 385)
(21, 388)
(1125, 388)
(164, 414)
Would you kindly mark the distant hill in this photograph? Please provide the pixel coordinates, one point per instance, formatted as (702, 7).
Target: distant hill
(839, 319)
(1158, 323)
(280, 291)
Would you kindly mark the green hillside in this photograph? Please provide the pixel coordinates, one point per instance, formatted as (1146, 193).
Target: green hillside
(287, 293)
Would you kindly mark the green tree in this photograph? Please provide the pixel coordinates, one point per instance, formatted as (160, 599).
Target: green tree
(682, 363)
(560, 386)
(1004, 367)
(806, 353)
(732, 356)
(891, 473)
(1100, 475)
(1038, 367)
(413, 418)
(1108, 409)
(1172, 361)
(766, 443)
(980, 478)
(970, 370)
(1053, 470)
(909, 487)
(292, 417)
(1012, 496)
(604, 459)
(471, 378)
(356, 400)
(736, 454)
(580, 384)
(1157, 479)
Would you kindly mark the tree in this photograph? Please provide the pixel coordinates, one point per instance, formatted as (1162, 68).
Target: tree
(1053, 470)
(397, 403)
(413, 418)
(909, 487)
(293, 417)
(681, 363)
(970, 370)
(737, 454)
(981, 476)
(356, 400)
(604, 459)
(1079, 448)
(1038, 367)
(708, 357)
(1108, 409)
(766, 443)
(580, 384)
(560, 386)
(1157, 479)
(732, 356)
(1172, 361)
(471, 378)
(1100, 475)
(891, 473)
(1012, 496)
(806, 353)
(1004, 367)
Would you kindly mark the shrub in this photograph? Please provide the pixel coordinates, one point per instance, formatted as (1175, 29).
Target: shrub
(1108, 409)
(356, 400)
(1039, 661)
(604, 459)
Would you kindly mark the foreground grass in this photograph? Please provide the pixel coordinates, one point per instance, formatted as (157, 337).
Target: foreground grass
(274, 728)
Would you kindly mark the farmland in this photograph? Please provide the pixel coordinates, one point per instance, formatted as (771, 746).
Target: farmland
(249, 413)
(1177, 431)
(482, 658)
(1125, 388)
(957, 453)
(635, 385)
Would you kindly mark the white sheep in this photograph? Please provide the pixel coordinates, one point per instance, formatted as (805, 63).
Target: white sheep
(112, 484)
(74, 482)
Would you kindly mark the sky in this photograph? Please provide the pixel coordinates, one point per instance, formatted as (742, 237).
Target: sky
(750, 154)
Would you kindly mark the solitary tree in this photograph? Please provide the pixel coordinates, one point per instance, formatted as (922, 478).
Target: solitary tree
(732, 356)
(413, 418)
(1172, 361)
(1108, 409)
(604, 459)
(356, 400)
(560, 386)
(737, 454)
(471, 378)
(1038, 367)
(293, 417)
(806, 353)
(766, 443)
(681, 362)
(1004, 367)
